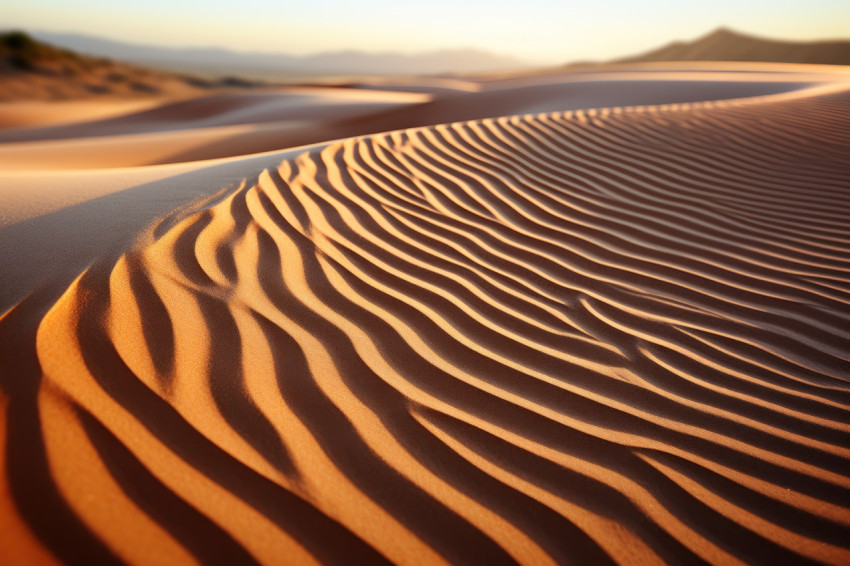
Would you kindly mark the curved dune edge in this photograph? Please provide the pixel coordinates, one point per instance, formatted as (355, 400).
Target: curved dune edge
(227, 126)
(587, 337)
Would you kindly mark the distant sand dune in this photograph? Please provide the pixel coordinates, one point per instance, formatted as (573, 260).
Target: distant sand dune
(238, 124)
(582, 337)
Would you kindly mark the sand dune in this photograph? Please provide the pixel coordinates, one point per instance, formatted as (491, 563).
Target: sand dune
(209, 127)
(585, 336)
(235, 124)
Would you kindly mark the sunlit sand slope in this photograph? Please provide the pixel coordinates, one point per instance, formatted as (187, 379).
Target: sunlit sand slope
(589, 337)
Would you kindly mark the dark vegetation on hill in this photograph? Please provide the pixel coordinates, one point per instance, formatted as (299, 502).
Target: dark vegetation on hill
(21, 52)
(31, 69)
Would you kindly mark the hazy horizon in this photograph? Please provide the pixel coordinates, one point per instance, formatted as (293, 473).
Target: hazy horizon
(539, 31)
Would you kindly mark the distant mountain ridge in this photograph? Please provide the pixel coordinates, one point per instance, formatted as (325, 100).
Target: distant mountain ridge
(223, 61)
(727, 45)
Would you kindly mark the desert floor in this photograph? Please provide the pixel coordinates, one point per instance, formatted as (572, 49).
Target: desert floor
(579, 317)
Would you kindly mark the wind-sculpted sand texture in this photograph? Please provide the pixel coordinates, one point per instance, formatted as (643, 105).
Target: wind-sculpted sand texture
(614, 336)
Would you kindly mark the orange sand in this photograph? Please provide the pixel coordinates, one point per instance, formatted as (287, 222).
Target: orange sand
(577, 335)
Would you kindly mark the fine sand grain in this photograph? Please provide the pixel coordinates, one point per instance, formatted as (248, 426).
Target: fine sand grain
(581, 336)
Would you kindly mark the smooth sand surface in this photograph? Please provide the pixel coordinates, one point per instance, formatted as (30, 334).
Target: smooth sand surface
(612, 330)
(30, 113)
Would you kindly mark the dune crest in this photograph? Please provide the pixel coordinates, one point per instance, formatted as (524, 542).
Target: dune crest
(580, 337)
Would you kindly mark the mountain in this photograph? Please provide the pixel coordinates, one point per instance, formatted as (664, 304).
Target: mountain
(221, 61)
(32, 69)
(728, 45)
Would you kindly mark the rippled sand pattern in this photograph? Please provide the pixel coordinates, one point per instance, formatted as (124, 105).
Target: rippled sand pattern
(593, 337)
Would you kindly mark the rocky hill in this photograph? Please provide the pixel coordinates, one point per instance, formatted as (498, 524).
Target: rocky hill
(34, 70)
(727, 45)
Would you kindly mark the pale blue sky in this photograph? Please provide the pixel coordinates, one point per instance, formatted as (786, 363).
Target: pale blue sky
(537, 30)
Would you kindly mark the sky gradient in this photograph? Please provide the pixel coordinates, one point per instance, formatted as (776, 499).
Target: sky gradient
(545, 31)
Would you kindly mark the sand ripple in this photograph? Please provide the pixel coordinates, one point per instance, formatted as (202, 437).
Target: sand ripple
(587, 337)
